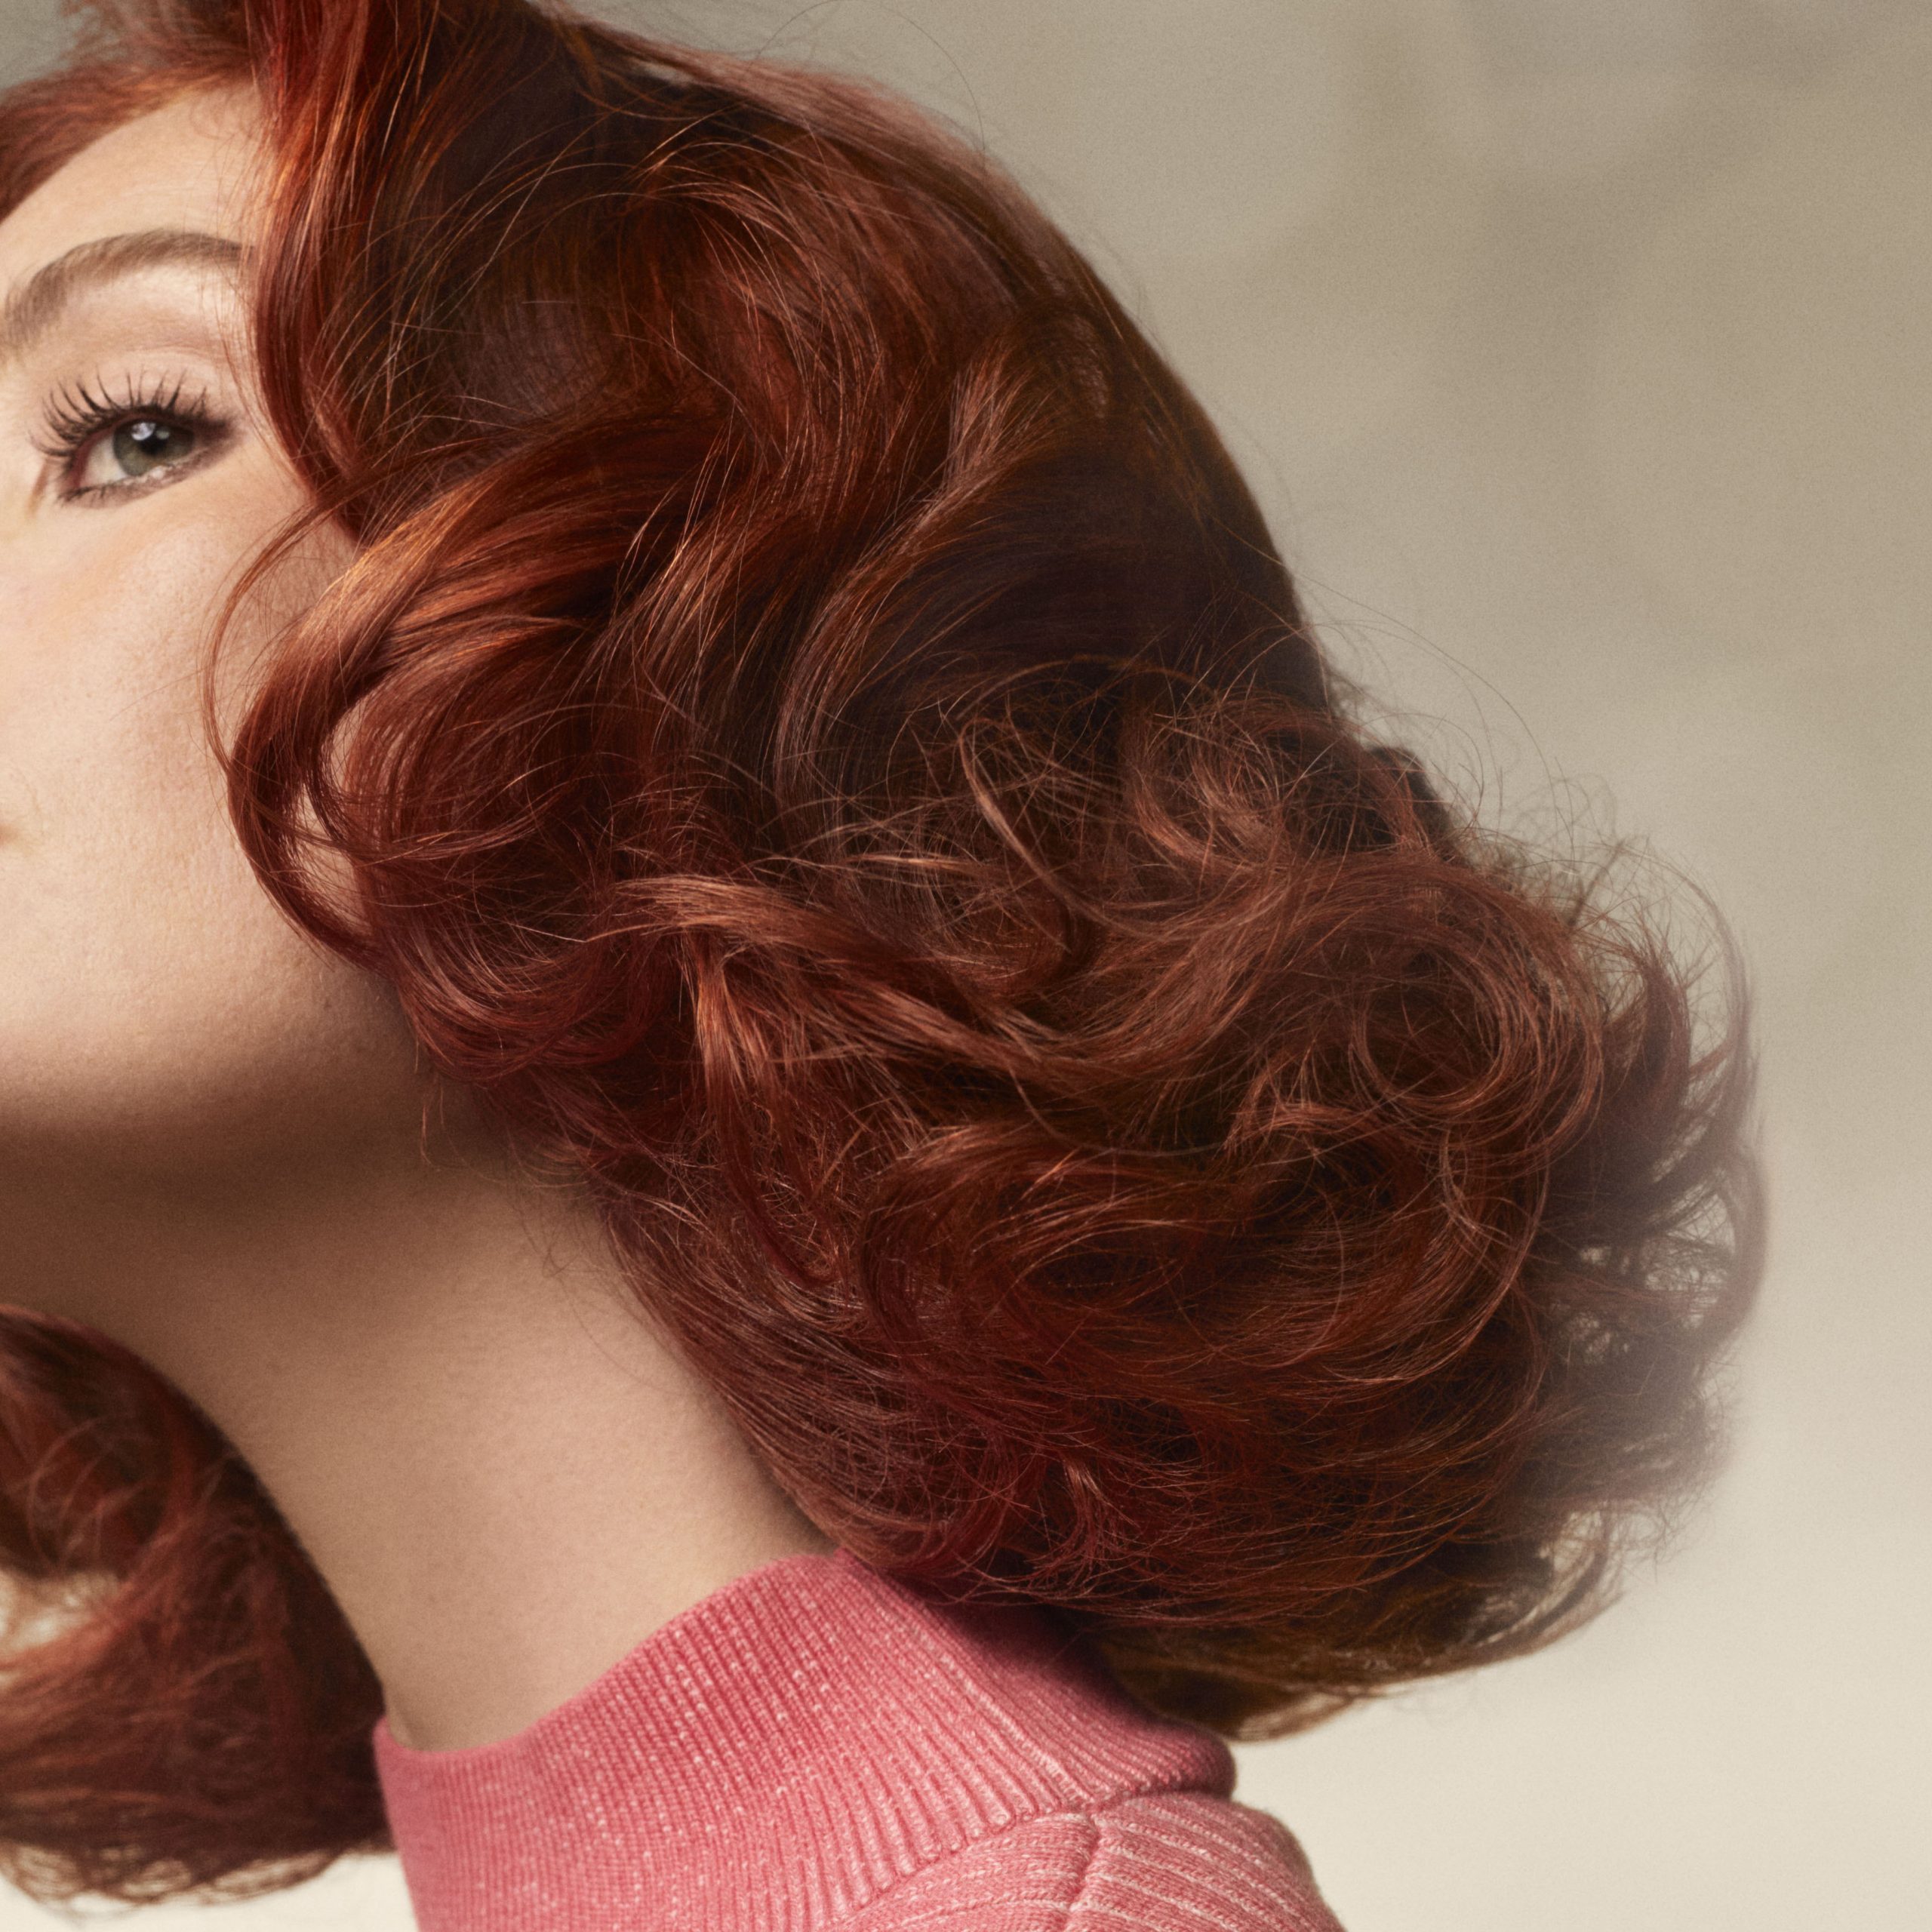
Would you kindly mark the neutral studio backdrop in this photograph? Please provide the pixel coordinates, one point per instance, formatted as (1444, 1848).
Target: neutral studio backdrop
(1580, 350)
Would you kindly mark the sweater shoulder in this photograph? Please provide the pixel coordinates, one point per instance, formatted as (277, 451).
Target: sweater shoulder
(1160, 1862)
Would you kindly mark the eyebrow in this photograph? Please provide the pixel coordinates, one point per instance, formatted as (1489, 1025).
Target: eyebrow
(40, 302)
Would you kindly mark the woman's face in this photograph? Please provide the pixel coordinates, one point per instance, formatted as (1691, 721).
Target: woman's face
(158, 1017)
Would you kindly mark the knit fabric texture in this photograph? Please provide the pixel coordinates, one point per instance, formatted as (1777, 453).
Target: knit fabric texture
(817, 1748)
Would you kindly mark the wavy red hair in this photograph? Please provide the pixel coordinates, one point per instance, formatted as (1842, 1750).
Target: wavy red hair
(824, 744)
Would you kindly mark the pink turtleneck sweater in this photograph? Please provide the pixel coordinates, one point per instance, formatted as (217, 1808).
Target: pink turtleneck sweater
(816, 1748)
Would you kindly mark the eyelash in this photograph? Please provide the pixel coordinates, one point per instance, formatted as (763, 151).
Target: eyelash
(76, 416)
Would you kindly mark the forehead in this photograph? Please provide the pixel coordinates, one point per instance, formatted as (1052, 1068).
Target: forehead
(189, 165)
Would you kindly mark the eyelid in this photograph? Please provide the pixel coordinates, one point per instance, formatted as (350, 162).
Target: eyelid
(76, 414)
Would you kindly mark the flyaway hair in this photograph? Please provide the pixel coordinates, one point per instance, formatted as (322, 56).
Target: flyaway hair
(819, 738)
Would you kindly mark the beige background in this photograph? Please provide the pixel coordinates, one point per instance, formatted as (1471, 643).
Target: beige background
(1579, 350)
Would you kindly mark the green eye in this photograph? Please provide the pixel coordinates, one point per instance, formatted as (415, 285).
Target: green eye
(147, 445)
(104, 445)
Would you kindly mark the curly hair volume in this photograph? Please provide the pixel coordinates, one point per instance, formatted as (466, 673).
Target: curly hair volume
(820, 739)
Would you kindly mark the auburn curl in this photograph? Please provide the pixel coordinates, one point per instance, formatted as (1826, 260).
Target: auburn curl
(824, 744)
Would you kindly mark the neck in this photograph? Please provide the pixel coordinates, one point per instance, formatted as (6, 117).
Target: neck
(440, 1373)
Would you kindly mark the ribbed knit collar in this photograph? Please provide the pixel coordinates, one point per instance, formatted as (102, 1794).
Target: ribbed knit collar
(775, 1756)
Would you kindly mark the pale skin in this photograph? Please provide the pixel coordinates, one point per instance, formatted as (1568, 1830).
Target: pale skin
(217, 1143)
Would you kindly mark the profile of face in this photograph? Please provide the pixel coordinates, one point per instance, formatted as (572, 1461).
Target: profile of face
(161, 1023)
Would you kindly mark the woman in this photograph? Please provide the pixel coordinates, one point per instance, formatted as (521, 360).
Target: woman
(747, 1151)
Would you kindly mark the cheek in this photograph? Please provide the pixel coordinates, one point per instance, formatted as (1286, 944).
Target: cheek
(152, 1000)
